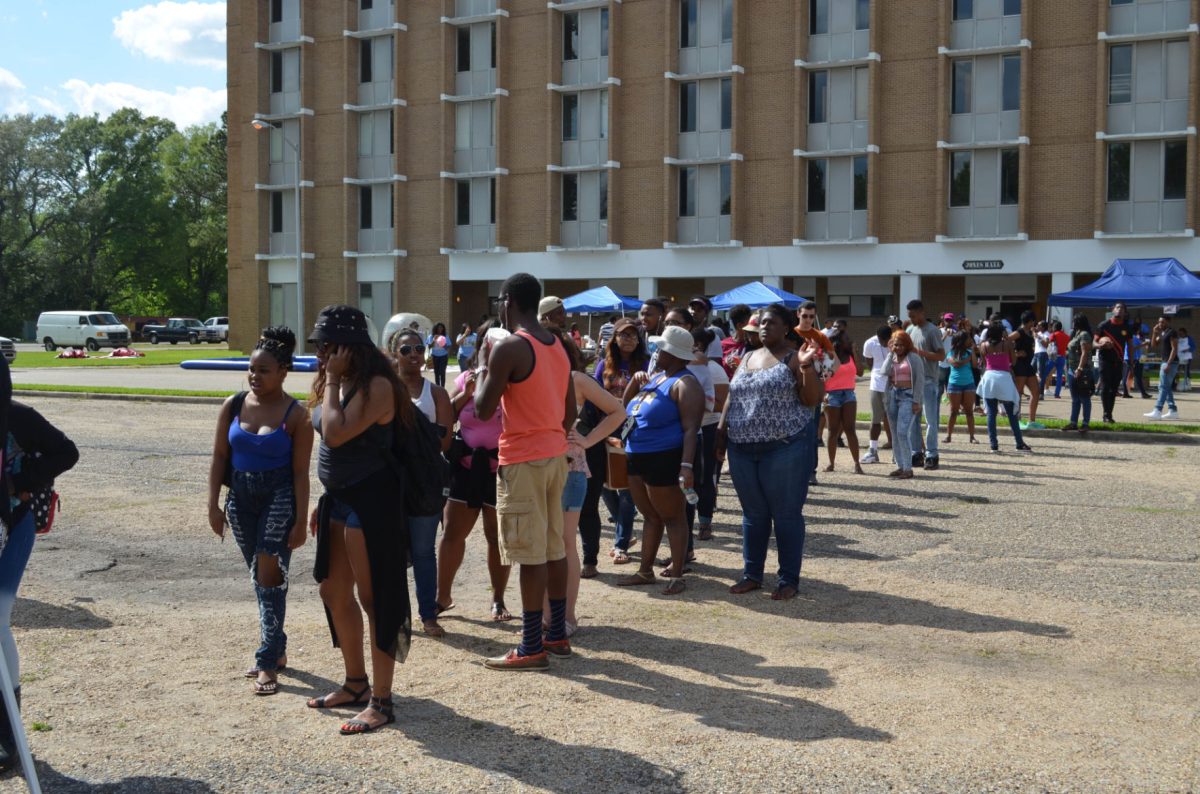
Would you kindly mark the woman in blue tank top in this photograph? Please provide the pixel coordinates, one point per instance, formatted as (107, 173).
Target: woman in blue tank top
(265, 436)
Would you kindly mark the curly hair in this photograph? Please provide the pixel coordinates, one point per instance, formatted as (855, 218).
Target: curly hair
(638, 360)
(368, 362)
(279, 342)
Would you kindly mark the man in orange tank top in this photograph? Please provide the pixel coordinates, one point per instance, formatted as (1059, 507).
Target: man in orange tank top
(529, 375)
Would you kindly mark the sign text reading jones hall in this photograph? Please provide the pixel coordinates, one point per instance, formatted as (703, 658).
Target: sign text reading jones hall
(983, 264)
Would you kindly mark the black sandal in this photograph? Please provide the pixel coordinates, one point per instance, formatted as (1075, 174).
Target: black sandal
(358, 702)
(382, 705)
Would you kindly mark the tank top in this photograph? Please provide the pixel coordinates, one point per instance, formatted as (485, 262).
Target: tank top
(658, 427)
(764, 406)
(902, 373)
(357, 459)
(261, 451)
(999, 362)
(425, 403)
(845, 377)
(534, 408)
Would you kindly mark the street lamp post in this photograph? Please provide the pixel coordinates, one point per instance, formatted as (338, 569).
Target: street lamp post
(302, 331)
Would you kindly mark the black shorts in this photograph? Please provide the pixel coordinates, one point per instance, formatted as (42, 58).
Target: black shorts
(659, 469)
(462, 482)
(1023, 368)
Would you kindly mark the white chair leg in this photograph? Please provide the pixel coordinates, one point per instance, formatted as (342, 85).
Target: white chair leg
(18, 729)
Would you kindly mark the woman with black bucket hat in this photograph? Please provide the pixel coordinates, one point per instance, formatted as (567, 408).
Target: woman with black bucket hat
(362, 540)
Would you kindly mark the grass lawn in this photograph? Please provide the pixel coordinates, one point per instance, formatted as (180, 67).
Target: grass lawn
(54, 387)
(1053, 424)
(156, 356)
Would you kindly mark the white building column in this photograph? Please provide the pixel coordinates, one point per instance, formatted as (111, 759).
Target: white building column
(1061, 282)
(910, 289)
(647, 288)
(773, 281)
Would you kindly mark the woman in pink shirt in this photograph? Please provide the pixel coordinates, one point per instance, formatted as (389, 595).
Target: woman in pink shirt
(841, 400)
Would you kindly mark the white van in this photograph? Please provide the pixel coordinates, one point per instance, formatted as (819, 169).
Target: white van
(92, 330)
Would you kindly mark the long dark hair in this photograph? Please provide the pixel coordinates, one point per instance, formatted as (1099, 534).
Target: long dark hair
(367, 362)
(638, 360)
(573, 353)
(1081, 323)
(843, 346)
(961, 342)
(995, 331)
(480, 338)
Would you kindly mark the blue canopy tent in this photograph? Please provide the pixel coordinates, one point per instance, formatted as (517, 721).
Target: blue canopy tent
(600, 299)
(756, 294)
(1137, 282)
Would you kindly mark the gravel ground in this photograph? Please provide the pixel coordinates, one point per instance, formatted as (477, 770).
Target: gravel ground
(1008, 623)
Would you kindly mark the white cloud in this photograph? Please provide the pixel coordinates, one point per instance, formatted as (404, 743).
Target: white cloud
(186, 106)
(190, 32)
(16, 99)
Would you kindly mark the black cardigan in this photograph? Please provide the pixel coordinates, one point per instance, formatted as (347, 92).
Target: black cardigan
(5, 399)
(48, 452)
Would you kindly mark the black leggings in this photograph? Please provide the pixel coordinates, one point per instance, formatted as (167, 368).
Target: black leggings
(589, 517)
(1110, 384)
(439, 370)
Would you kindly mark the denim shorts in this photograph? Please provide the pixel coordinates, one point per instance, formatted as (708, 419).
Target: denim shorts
(840, 397)
(956, 389)
(344, 513)
(574, 491)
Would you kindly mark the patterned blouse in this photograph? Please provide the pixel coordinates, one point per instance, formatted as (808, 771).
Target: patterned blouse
(764, 406)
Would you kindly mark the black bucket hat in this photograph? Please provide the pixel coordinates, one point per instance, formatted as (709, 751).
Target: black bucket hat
(341, 325)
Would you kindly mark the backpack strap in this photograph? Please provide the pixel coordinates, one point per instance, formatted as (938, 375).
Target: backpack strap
(239, 400)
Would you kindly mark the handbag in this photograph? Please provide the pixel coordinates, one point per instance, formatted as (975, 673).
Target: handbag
(1084, 383)
(618, 466)
(44, 504)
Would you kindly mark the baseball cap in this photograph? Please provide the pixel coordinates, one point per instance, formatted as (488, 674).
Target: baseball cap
(549, 304)
(893, 320)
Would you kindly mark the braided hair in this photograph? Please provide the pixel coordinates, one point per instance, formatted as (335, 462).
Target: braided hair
(279, 342)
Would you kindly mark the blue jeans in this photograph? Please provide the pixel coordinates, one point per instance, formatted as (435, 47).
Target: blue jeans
(771, 480)
(1042, 362)
(931, 405)
(422, 533)
(1166, 385)
(993, 408)
(12, 568)
(900, 415)
(620, 506)
(1059, 364)
(1080, 403)
(261, 509)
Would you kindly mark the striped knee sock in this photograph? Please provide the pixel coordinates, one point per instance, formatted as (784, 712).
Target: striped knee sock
(531, 634)
(558, 619)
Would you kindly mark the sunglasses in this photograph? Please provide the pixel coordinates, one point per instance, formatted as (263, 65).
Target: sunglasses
(627, 335)
(808, 316)
(322, 347)
(407, 350)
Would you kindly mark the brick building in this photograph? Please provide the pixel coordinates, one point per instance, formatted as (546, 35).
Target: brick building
(979, 154)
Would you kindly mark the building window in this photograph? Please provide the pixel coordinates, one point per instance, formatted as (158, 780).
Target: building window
(1011, 83)
(366, 208)
(862, 15)
(276, 144)
(961, 100)
(862, 83)
(570, 37)
(603, 195)
(276, 212)
(817, 170)
(960, 179)
(570, 197)
(603, 32)
(604, 114)
(687, 23)
(687, 107)
(818, 97)
(492, 200)
(464, 49)
(276, 10)
(1010, 176)
(1012, 8)
(462, 215)
(726, 173)
(276, 72)
(860, 305)
(726, 20)
(1174, 170)
(366, 5)
(964, 9)
(726, 103)
(818, 17)
(687, 192)
(493, 42)
(570, 117)
(860, 182)
(1118, 172)
(1120, 74)
(364, 61)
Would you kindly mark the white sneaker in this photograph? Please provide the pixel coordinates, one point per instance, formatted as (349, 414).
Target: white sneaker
(1155, 414)
(1171, 415)
(870, 457)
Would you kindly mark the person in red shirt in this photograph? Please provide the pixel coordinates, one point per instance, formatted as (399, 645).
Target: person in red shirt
(735, 345)
(1058, 361)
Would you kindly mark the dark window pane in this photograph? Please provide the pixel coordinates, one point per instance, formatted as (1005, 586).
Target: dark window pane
(726, 189)
(687, 107)
(960, 179)
(276, 212)
(391, 132)
(818, 16)
(1010, 176)
(570, 117)
(1174, 169)
(961, 101)
(726, 20)
(1120, 74)
(726, 103)
(391, 207)
(276, 72)
(1121, 2)
(365, 208)
(464, 49)
(570, 197)
(687, 23)
(367, 5)
(860, 183)
(964, 9)
(364, 61)
(818, 96)
(816, 185)
(570, 37)
(687, 192)
(603, 32)
(1118, 172)
(862, 15)
(492, 199)
(1012, 8)
(462, 216)
(276, 10)
(603, 195)
(493, 45)
(1012, 83)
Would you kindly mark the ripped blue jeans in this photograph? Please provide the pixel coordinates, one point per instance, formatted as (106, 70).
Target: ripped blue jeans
(261, 508)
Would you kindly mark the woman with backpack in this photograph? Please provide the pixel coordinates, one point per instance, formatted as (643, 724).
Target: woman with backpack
(264, 442)
(35, 452)
(433, 401)
(358, 403)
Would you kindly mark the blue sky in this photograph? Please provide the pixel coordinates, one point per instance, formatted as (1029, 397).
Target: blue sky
(94, 56)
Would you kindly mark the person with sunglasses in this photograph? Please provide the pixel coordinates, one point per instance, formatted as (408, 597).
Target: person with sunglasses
(432, 400)
(807, 330)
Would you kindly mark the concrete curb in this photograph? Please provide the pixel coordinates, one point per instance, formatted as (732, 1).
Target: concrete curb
(144, 398)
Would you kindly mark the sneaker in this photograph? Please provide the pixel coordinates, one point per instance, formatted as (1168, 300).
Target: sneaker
(1024, 425)
(931, 464)
(557, 647)
(1171, 414)
(514, 661)
(918, 460)
(1034, 425)
(870, 457)
(1024, 448)
(1067, 428)
(996, 450)
(1155, 414)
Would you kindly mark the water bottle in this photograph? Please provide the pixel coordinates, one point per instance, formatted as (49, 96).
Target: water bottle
(689, 493)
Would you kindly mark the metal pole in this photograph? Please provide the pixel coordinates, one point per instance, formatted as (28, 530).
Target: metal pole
(18, 729)
(302, 331)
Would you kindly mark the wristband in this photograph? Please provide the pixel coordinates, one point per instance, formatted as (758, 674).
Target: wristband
(686, 466)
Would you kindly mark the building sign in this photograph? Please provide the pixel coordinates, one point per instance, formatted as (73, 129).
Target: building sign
(983, 264)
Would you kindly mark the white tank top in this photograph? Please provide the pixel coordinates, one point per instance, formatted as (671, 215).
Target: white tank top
(425, 402)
